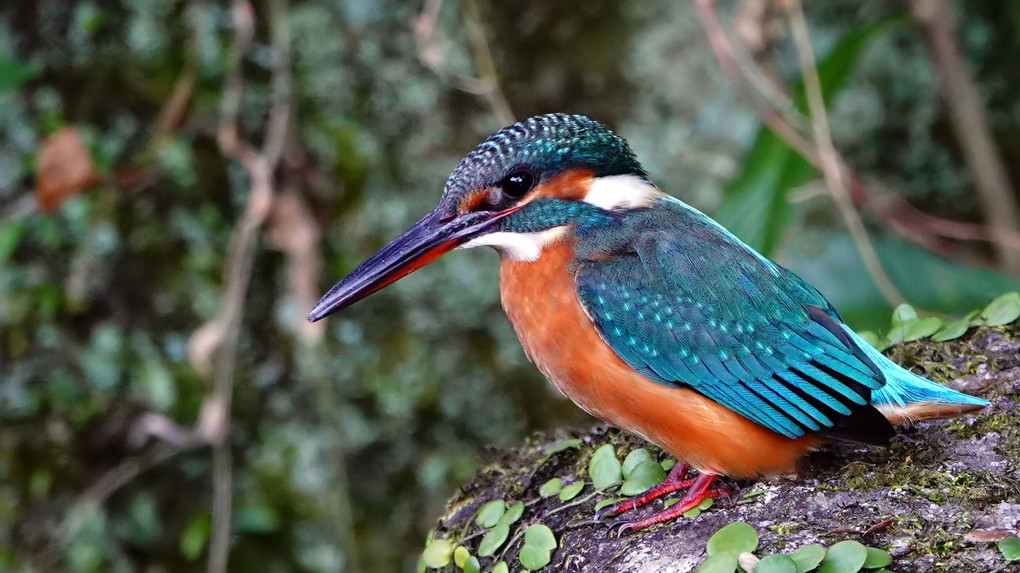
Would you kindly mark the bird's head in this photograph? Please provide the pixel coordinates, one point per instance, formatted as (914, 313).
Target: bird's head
(516, 191)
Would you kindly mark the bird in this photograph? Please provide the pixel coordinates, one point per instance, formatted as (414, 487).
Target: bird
(651, 316)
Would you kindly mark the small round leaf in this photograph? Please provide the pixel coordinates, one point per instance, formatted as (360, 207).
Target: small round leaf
(633, 459)
(808, 557)
(721, 563)
(642, 477)
(490, 513)
(608, 501)
(921, 328)
(1010, 548)
(903, 313)
(541, 536)
(604, 469)
(472, 565)
(551, 487)
(534, 558)
(493, 540)
(562, 445)
(1003, 310)
(668, 464)
(844, 557)
(776, 564)
(570, 492)
(877, 558)
(952, 330)
(460, 555)
(734, 538)
(437, 554)
(501, 567)
(513, 513)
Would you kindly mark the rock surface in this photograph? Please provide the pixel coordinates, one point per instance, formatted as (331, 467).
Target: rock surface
(922, 499)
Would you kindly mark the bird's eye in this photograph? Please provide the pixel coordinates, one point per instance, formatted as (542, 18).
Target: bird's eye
(517, 183)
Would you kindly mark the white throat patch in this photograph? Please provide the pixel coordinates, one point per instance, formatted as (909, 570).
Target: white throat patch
(622, 192)
(518, 246)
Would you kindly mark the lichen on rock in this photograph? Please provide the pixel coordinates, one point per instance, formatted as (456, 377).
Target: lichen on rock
(919, 498)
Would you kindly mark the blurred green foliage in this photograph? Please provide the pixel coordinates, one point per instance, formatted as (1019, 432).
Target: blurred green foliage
(345, 452)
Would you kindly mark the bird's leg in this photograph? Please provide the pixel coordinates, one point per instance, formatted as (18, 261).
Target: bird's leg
(676, 480)
(698, 492)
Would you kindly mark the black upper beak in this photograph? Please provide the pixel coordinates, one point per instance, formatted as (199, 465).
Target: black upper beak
(423, 243)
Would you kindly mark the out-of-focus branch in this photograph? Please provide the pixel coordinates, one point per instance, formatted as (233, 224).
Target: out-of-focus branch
(967, 114)
(923, 229)
(431, 53)
(827, 156)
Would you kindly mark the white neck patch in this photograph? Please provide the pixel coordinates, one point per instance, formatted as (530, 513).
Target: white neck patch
(622, 192)
(518, 246)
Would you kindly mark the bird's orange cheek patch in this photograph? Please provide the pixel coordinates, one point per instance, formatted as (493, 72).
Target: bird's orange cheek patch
(473, 201)
(570, 185)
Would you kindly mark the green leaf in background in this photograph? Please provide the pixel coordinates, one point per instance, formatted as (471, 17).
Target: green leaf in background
(953, 330)
(668, 464)
(490, 513)
(539, 542)
(513, 513)
(1003, 310)
(14, 74)
(921, 328)
(256, 518)
(734, 538)
(194, 536)
(633, 459)
(604, 468)
(844, 557)
(551, 487)
(808, 557)
(570, 492)
(607, 502)
(493, 540)
(755, 206)
(877, 558)
(902, 314)
(1010, 548)
(471, 565)
(878, 342)
(722, 563)
(10, 236)
(501, 567)
(642, 477)
(437, 554)
(776, 564)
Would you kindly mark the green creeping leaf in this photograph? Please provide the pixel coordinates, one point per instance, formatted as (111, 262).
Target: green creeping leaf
(493, 540)
(645, 475)
(734, 538)
(13, 74)
(607, 502)
(570, 492)
(604, 468)
(512, 514)
(561, 445)
(953, 330)
(633, 459)
(460, 556)
(551, 487)
(668, 464)
(539, 542)
(472, 565)
(755, 205)
(1003, 310)
(437, 554)
(844, 557)
(920, 328)
(1010, 548)
(501, 567)
(694, 511)
(808, 557)
(776, 564)
(722, 563)
(490, 513)
(877, 558)
(902, 314)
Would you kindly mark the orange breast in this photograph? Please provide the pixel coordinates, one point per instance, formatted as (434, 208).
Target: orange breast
(540, 300)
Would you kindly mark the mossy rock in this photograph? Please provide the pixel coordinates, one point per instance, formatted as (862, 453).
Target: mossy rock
(918, 498)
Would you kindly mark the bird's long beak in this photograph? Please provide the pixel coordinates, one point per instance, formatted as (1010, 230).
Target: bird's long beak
(423, 243)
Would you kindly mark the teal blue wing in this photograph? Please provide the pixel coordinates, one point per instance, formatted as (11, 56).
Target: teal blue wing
(701, 310)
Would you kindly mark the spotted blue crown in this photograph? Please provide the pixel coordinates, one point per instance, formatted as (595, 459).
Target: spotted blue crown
(545, 144)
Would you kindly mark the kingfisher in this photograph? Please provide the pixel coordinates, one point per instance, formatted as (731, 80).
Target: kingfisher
(651, 316)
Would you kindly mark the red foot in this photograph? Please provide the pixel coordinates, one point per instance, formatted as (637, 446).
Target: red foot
(698, 492)
(674, 481)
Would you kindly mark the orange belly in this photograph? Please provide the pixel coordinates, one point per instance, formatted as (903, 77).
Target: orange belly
(539, 298)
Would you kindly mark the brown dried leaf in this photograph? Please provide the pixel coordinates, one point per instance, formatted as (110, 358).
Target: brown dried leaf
(65, 168)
